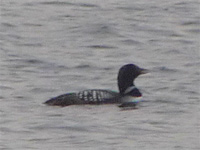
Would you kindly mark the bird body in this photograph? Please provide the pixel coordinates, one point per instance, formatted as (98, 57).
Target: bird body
(126, 96)
(94, 96)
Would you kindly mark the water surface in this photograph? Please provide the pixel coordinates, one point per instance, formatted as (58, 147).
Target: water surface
(52, 47)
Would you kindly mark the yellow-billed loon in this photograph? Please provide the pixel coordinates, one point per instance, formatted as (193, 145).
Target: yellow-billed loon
(127, 91)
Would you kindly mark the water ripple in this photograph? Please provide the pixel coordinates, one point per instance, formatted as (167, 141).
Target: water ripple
(58, 3)
(101, 46)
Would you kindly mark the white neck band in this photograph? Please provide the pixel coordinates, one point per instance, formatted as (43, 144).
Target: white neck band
(130, 88)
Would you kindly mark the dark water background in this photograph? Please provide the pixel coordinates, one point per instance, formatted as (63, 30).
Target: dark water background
(52, 47)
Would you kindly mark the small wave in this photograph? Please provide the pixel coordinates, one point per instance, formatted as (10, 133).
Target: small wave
(68, 3)
(131, 42)
(192, 64)
(197, 31)
(56, 3)
(31, 44)
(128, 8)
(83, 66)
(41, 90)
(165, 69)
(169, 101)
(186, 41)
(171, 111)
(173, 51)
(8, 25)
(5, 87)
(101, 46)
(19, 97)
(32, 61)
(33, 24)
(187, 23)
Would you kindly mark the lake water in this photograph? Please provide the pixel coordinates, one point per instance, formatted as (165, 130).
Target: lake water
(51, 47)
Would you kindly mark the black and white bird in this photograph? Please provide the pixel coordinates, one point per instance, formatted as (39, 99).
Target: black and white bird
(127, 95)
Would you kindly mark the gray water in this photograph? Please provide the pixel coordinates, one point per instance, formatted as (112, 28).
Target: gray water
(50, 47)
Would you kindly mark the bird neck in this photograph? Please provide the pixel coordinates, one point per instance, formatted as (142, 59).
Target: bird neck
(123, 86)
(132, 91)
(129, 89)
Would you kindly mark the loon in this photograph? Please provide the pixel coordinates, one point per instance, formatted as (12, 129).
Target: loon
(126, 95)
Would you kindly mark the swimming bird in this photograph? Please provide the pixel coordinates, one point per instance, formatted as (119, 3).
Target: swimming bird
(126, 95)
